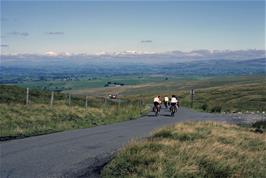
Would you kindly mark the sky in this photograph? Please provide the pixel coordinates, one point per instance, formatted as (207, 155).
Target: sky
(69, 27)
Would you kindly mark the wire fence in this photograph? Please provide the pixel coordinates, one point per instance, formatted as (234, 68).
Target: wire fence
(54, 98)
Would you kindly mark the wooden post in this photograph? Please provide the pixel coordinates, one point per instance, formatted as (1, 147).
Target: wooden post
(192, 97)
(52, 98)
(69, 99)
(27, 96)
(140, 106)
(86, 102)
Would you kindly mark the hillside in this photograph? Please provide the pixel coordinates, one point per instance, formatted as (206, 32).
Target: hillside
(212, 94)
(193, 149)
(18, 120)
(216, 94)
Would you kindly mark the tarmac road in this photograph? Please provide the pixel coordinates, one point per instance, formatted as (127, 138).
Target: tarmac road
(83, 152)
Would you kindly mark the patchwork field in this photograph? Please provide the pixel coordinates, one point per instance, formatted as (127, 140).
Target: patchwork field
(96, 82)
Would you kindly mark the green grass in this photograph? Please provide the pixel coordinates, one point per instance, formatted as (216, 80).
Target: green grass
(19, 120)
(88, 83)
(193, 149)
(233, 97)
(218, 94)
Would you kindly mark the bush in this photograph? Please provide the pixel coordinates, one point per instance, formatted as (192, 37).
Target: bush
(259, 124)
(216, 109)
(204, 107)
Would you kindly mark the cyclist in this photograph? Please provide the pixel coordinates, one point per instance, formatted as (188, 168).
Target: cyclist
(157, 103)
(174, 103)
(166, 101)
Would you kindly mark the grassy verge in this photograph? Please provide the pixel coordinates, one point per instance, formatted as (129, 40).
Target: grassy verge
(18, 120)
(193, 149)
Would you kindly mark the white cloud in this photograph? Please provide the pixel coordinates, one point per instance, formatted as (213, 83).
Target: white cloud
(19, 33)
(53, 53)
(146, 41)
(55, 33)
(139, 55)
(4, 45)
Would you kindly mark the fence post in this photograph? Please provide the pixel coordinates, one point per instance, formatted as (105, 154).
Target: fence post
(192, 97)
(86, 102)
(140, 106)
(69, 99)
(52, 98)
(27, 96)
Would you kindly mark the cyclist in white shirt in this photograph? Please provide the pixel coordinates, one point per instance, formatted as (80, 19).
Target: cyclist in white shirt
(174, 101)
(166, 102)
(157, 102)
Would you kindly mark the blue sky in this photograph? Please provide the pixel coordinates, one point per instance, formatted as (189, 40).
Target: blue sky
(94, 27)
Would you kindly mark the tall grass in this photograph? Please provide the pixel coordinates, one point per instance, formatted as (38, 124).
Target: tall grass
(193, 149)
(228, 94)
(19, 120)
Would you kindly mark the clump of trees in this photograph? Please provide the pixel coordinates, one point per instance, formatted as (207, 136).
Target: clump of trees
(109, 84)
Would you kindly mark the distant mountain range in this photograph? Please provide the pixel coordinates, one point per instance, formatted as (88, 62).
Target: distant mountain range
(144, 57)
(218, 67)
(19, 70)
